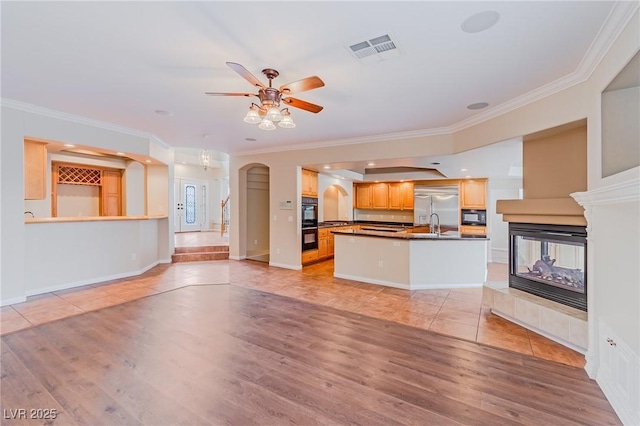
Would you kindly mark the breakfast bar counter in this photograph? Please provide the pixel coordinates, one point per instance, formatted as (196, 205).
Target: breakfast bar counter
(412, 261)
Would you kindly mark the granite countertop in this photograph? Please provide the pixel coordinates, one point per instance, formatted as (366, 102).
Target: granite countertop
(449, 235)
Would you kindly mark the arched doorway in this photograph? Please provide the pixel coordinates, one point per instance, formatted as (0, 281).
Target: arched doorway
(256, 212)
(335, 204)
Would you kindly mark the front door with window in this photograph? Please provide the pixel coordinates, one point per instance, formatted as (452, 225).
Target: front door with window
(190, 212)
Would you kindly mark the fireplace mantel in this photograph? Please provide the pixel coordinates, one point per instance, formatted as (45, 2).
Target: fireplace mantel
(555, 211)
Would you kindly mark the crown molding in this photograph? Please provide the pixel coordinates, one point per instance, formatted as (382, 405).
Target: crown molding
(46, 112)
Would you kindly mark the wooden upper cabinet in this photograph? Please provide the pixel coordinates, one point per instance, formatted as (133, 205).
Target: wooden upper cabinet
(387, 196)
(364, 199)
(380, 195)
(473, 194)
(395, 196)
(309, 183)
(407, 195)
(35, 170)
(401, 196)
(111, 193)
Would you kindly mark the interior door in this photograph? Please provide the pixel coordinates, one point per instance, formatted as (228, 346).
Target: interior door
(191, 202)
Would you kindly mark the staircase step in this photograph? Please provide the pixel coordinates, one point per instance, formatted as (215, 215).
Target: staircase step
(199, 256)
(202, 249)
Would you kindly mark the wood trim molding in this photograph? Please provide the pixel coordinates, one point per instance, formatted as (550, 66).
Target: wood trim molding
(622, 192)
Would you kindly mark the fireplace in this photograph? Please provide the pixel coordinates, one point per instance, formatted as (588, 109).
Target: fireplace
(549, 261)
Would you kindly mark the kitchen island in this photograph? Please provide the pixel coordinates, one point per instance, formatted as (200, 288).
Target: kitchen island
(412, 261)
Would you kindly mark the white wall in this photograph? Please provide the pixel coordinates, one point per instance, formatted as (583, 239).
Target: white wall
(497, 229)
(69, 254)
(345, 201)
(78, 200)
(133, 186)
(620, 130)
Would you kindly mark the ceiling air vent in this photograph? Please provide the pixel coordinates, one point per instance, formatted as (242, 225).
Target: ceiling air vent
(375, 49)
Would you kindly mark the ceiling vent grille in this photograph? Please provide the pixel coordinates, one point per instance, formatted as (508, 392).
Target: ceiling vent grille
(375, 49)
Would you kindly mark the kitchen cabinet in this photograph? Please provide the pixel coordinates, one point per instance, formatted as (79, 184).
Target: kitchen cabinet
(35, 170)
(473, 230)
(380, 196)
(364, 199)
(111, 193)
(401, 196)
(323, 243)
(473, 194)
(309, 256)
(309, 183)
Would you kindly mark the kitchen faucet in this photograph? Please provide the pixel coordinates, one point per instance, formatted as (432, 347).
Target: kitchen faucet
(31, 213)
(432, 224)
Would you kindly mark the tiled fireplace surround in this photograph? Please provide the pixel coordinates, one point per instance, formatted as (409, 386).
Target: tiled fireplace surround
(554, 166)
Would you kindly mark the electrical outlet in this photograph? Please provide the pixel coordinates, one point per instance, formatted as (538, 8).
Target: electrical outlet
(278, 250)
(275, 218)
(134, 256)
(255, 241)
(380, 264)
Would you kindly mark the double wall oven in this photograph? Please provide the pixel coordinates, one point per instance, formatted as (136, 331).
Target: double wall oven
(309, 223)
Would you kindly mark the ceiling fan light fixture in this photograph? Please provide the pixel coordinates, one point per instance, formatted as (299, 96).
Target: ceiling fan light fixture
(267, 124)
(287, 121)
(253, 116)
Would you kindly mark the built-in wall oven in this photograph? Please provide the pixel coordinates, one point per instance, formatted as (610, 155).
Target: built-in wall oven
(309, 212)
(309, 223)
(309, 239)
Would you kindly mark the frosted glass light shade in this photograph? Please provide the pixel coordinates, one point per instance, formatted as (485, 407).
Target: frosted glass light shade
(287, 122)
(252, 116)
(267, 124)
(273, 114)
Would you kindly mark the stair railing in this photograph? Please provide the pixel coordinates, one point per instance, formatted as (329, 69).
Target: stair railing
(224, 224)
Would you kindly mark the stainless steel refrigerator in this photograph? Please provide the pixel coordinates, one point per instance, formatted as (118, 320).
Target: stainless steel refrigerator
(442, 200)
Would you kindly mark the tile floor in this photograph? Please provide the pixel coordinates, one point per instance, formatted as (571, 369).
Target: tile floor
(455, 312)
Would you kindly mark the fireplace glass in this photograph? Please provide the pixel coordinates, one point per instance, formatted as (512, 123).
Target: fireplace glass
(549, 261)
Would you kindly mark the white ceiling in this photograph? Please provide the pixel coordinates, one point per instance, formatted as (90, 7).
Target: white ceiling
(118, 62)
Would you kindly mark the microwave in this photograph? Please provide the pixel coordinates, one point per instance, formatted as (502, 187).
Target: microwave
(473, 217)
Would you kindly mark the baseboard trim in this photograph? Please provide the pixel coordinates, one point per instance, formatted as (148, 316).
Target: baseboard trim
(406, 286)
(237, 257)
(13, 301)
(285, 266)
(500, 255)
(94, 280)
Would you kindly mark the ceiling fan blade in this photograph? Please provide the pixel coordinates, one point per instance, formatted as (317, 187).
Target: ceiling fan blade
(307, 106)
(303, 85)
(229, 94)
(246, 74)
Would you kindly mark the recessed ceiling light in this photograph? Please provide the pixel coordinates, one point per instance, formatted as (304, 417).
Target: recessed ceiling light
(463, 170)
(480, 21)
(68, 145)
(184, 162)
(435, 163)
(163, 112)
(478, 105)
(371, 163)
(327, 167)
(250, 139)
(119, 153)
(147, 161)
(467, 176)
(341, 177)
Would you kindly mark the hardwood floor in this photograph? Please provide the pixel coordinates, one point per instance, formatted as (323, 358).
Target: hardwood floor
(226, 354)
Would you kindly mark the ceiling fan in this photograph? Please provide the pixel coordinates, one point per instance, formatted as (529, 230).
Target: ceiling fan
(268, 111)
